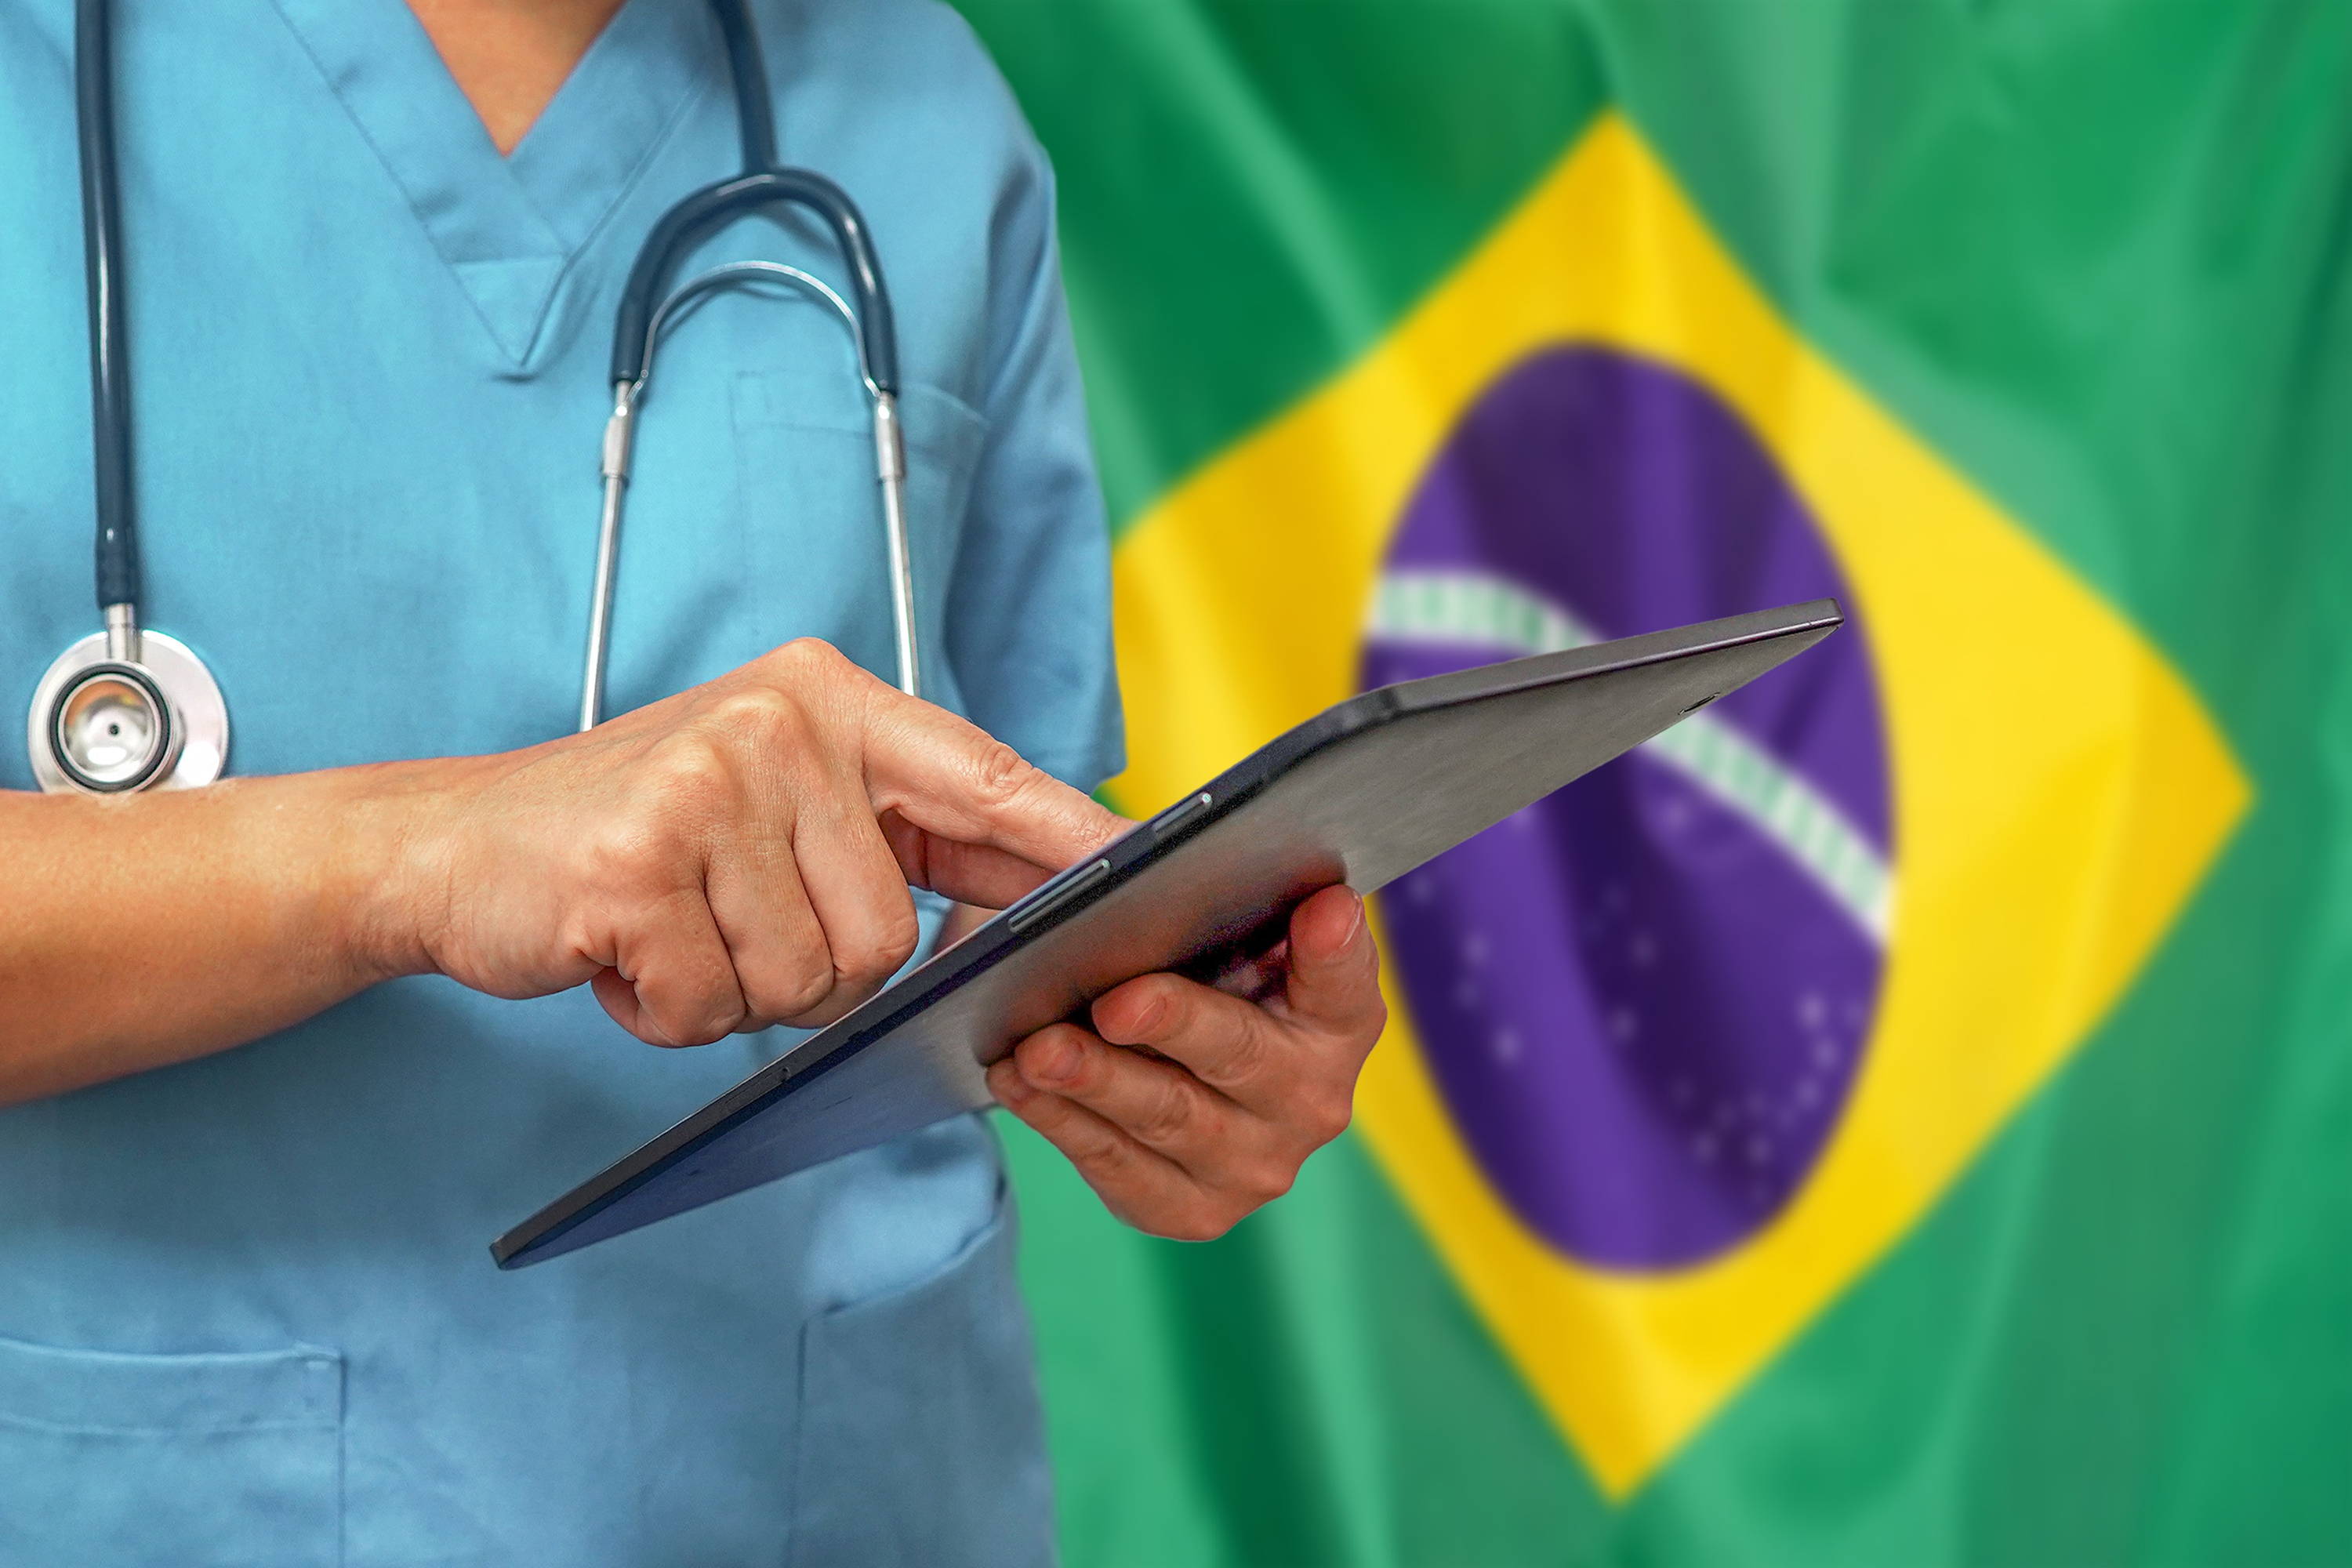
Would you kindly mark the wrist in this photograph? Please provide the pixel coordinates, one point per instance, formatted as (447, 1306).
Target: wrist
(395, 899)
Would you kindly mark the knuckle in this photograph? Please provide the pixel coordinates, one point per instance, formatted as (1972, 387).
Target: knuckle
(690, 767)
(814, 665)
(1268, 1180)
(1203, 1219)
(702, 1030)
(858, 965)
(762, 716)
(1328, 1114)
(1101, 1154)
(1253, 1054)
(868, 963)
(627, 858)
(1170, 1112)
(890, 944)
(785, 976)
(1000, 775)
(812, 655)
(696, 1020)
(797, 989)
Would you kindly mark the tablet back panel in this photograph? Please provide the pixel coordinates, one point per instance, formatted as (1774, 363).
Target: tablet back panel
(1362, 794)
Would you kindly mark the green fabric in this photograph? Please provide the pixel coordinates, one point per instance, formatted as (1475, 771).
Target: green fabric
(1251, 192)
(2099, 255)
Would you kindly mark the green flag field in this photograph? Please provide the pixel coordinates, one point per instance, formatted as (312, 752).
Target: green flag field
(1903, 1115)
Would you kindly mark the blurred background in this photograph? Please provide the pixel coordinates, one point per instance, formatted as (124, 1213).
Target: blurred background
(1906, 1117)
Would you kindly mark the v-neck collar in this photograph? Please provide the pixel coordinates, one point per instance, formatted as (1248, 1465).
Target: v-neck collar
(509, 227)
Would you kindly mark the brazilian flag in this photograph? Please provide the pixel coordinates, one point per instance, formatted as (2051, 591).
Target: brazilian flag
(1903, 1115)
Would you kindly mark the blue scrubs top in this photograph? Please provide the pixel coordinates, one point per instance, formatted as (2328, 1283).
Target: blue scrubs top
(246, 1311)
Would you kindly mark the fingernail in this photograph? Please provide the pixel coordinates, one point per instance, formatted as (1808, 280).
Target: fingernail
(1147, 1023)
(1053, 1059)
(1355, 923)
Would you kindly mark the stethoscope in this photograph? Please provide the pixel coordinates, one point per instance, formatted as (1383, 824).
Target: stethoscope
(129, 709)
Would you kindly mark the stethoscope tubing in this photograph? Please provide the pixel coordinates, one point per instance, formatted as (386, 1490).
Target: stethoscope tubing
(186, 686)
(648, 308)
(110, 353)
(186, 719)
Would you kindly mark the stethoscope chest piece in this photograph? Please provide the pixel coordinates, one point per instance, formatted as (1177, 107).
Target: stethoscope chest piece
(102, 725)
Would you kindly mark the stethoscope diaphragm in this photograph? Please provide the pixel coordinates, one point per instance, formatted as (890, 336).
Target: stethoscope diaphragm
(102, 725)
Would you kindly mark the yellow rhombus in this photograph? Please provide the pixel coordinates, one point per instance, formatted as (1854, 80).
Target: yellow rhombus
(2047, 829)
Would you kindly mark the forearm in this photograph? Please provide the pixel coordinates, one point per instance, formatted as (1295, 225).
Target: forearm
(734, 856)
(140, 931)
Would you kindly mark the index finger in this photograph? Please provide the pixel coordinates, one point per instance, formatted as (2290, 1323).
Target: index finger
(949, 777)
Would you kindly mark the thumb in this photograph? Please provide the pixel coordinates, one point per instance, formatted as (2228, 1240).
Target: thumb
(1333, 982)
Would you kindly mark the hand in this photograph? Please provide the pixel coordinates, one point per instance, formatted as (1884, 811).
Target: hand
(736, 855)
(1186, 1142)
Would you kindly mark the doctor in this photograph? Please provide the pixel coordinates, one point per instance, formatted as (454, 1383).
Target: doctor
(280, 1054)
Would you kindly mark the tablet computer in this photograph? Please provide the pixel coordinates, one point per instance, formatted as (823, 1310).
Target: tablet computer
(1361, 794)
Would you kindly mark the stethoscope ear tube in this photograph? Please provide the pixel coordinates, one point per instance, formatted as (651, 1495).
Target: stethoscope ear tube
(620, 433)
(890, 472)
(619, 437)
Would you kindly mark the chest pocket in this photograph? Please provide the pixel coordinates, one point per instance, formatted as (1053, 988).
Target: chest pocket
(186, 1460)
(812, 511)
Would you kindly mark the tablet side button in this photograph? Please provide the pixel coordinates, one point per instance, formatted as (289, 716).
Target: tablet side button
(1176, 816)
(1075, 887)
